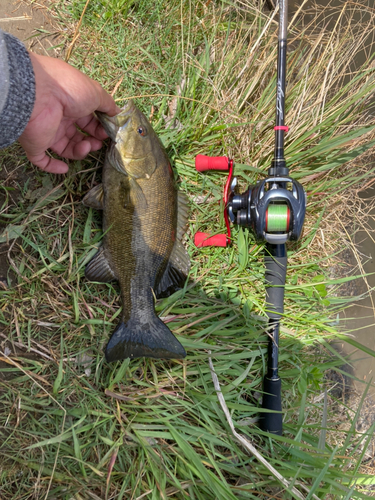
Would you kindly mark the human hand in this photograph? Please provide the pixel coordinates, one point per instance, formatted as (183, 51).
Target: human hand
(65, 99)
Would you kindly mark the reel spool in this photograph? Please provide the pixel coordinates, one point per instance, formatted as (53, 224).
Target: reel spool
(278, 218)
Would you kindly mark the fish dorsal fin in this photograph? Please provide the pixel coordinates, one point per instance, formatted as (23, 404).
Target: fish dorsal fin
(179, 261)
(94, 198)
(99, 269)
(182, 214)
(175, 273)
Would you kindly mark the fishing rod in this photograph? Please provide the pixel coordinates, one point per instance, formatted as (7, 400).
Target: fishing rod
(274, 209)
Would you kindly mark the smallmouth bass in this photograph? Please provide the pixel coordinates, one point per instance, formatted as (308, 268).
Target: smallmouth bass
(144, 220)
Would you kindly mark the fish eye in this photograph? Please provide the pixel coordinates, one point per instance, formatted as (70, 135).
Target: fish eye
(142, 131)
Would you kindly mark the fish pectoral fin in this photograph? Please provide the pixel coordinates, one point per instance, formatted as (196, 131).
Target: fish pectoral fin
(137, 195)
(99, 269)
(175, 273)
(94, 198)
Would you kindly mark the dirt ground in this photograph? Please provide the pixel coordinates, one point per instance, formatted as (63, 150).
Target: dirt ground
(32, 24)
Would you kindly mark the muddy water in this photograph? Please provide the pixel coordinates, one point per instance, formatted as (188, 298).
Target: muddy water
(358, 319)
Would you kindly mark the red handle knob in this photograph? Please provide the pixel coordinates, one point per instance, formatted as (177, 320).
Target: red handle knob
(203, 163)
(205, 240)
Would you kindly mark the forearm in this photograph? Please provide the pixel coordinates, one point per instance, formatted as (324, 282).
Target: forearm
(17, 88)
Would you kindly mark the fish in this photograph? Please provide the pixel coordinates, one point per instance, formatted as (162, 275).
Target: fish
(144, 220)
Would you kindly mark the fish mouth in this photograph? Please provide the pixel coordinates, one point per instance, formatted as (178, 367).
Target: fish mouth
(111, 124)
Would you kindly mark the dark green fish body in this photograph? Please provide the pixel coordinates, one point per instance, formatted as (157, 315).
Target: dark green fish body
(143, 219)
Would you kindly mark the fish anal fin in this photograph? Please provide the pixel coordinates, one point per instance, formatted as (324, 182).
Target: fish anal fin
(99, 269)
(94, 198)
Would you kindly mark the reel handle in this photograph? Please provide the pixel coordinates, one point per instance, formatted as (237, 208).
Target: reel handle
(205, 240)
(203, 163)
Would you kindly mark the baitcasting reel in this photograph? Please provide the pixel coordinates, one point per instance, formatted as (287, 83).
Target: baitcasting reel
(274, 209)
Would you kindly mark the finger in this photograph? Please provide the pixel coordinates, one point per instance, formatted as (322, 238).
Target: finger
(95, 143)
(91, 125)
(81, 150)
(48, 164)
(66, 145)
(107, 104)
(77, 147)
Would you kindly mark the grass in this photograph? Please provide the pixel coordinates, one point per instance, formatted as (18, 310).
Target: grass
(74, 426)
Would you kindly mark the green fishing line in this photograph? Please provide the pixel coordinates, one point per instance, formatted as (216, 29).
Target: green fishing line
(277, 218)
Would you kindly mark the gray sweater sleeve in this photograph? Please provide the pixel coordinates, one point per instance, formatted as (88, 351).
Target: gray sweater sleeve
(17, 88)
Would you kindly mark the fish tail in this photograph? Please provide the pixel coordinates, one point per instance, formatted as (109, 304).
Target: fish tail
(153, 340)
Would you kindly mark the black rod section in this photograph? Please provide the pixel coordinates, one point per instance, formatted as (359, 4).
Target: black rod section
(276, 257)
(280, 101)
(278, 164)
(276, 264)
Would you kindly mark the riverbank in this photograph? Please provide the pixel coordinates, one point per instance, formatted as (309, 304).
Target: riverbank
(74, 426)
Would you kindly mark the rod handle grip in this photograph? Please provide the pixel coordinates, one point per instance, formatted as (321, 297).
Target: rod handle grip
(272, 422)
(203, 163)
(205, 240)
(276, 267)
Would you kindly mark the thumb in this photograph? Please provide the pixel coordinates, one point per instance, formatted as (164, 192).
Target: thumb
(107, 103)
